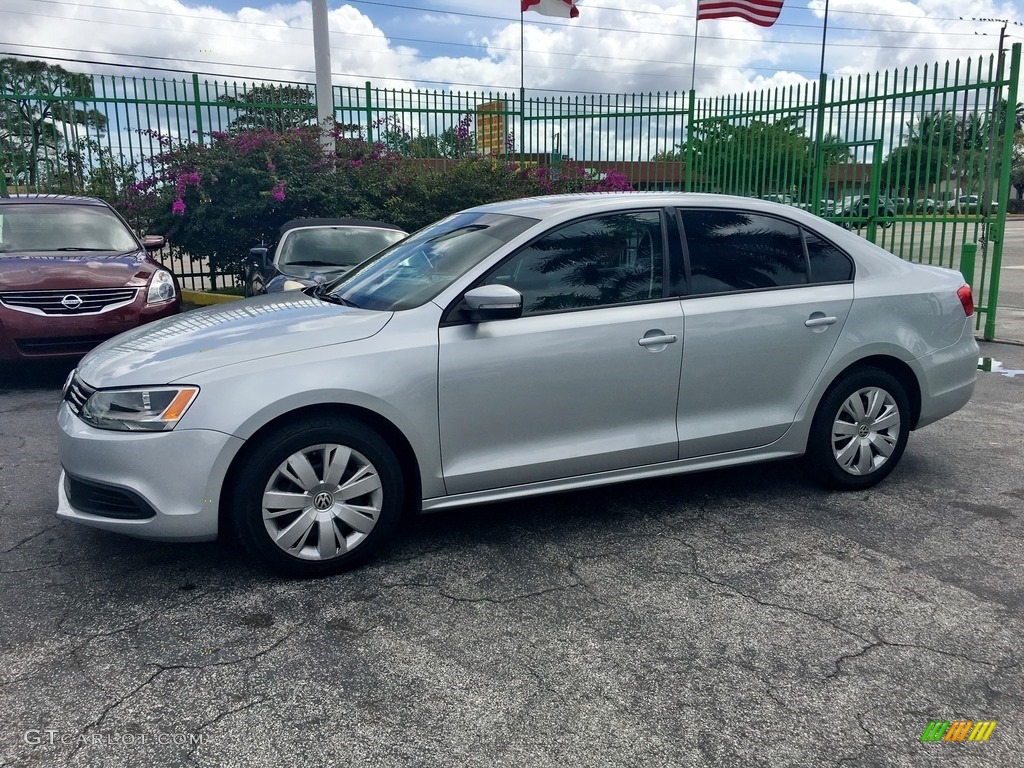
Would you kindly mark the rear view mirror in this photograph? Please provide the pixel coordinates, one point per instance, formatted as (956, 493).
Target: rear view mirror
(258, 257)
(154, 242)
(493, 302)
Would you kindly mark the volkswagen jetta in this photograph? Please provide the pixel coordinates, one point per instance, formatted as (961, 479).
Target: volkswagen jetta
(518, 348)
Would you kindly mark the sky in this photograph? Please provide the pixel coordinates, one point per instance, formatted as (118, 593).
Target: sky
(615, 46)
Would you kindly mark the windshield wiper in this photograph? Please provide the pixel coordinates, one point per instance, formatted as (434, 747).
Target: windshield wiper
(312, 264)
(323, 295)
(74, 248)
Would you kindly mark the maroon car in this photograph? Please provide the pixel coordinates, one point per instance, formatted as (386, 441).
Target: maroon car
(72, 274)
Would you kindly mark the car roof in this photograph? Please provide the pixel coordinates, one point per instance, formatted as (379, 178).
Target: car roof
(296, 223)
(583, 203)
(52, 199)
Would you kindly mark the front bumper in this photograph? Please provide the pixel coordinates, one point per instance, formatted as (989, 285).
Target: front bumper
(179, 474)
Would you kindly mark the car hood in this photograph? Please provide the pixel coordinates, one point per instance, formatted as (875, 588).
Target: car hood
(178, 347)
(56, 270)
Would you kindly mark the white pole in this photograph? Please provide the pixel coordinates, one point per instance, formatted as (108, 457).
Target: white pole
(322, 60)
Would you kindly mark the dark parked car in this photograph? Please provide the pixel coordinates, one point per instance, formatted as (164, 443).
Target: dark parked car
(860, 208)
(72, 274)
(308, 248)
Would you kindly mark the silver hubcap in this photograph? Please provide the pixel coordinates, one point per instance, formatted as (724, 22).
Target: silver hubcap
(865, 431)
(322, 502)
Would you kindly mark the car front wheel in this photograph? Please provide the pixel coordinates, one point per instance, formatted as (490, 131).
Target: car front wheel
(317, 497)
(859, 431)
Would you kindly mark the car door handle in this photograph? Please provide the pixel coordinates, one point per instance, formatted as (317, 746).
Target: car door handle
(818, 319)
(655, 341)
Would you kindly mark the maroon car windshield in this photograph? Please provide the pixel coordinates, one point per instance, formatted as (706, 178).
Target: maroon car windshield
(41, 227)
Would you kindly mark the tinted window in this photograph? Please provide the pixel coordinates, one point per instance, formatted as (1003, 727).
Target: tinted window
(828, 263)
(738, 251)
(611, 259)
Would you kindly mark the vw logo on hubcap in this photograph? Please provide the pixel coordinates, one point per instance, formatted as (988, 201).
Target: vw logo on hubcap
(864, 430)
(323, 501)
(71, 301)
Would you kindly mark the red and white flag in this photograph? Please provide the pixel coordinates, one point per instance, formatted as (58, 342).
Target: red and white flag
(764, 13)
(565, 9)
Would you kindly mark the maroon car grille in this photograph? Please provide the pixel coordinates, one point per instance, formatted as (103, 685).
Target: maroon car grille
(88, 301)
(59, 345)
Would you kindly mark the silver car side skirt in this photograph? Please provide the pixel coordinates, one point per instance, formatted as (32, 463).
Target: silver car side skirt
(781, 449)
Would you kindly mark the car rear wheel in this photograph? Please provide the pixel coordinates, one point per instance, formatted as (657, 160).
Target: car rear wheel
(254, 285)
(860, 430)
(318, 497)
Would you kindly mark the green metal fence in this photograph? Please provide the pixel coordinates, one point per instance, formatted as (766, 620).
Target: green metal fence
(917, 160)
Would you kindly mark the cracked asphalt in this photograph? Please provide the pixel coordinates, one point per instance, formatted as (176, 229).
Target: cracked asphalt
(733, 618)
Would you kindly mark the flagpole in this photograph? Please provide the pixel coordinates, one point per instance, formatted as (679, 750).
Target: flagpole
(819, 128)
(824, 34)
(522, 84)
(693, 71)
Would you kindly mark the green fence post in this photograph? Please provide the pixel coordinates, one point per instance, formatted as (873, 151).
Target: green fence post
(199, 109)
(1004, 194)
(690, 114)
(369, 114)
(968, 252)
(818, 174)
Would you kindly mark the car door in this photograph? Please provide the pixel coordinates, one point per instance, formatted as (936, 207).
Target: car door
(585, 381)
(765, 305)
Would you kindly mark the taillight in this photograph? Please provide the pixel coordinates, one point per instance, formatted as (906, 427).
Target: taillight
(966, 299)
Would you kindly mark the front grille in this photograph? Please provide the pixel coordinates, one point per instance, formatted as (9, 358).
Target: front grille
(89, 301)
(106, 500)
(59, 345)
(78, 392)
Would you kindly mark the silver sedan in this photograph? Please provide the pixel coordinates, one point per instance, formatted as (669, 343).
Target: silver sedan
(519, 348)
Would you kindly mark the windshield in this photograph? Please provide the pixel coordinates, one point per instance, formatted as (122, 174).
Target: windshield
(42, 227)
(340, 246)
(418, 268)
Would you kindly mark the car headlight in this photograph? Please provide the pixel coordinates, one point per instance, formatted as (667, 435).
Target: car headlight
(293, 285)
(161, 287)
(146, 409)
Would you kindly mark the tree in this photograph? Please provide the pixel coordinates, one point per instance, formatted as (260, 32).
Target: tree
(273, 107)
(38, 107)
(1017, 165)
(759, 157)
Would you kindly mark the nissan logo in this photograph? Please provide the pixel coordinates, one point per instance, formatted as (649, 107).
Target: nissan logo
(71, 301)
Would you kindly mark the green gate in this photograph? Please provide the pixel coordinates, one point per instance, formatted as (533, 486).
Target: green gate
(916, 160)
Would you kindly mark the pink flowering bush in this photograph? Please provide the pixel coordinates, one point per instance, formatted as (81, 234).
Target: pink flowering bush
(218, 198)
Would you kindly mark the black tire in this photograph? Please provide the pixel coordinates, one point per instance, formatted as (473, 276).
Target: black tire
(868, 465)
(377, 510)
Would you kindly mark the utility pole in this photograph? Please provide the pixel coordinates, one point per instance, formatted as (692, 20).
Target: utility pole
(324, 89)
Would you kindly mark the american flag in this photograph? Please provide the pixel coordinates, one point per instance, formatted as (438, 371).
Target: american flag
(764, 13)
(565, 9)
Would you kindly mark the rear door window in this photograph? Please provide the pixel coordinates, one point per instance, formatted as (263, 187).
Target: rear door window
(733, 250)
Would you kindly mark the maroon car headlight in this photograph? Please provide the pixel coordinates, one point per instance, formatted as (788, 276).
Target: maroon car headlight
(161, 287)
(142, 409)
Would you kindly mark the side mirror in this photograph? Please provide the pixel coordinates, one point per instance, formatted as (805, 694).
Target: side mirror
(258, 257)
(493, 302)
(153, 242)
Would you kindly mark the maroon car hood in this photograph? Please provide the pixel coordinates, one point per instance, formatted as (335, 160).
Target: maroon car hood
(57, 270)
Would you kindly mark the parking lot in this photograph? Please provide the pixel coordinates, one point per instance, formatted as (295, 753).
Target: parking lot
(741, 618)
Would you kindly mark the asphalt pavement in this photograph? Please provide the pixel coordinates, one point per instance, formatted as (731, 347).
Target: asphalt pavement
(732, 618)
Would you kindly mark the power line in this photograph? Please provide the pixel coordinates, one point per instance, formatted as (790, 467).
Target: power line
(687, 17)
(501, 18)
(477, 15)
